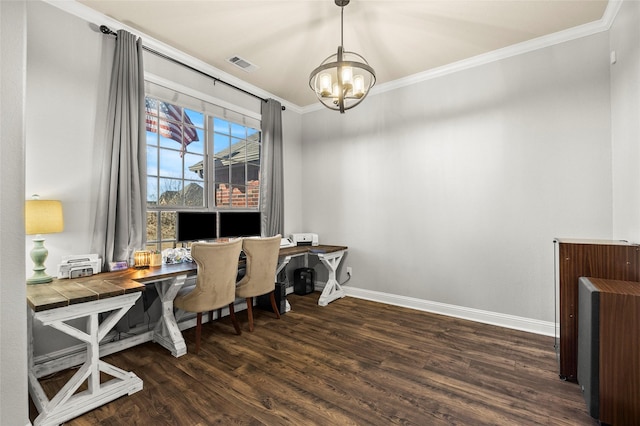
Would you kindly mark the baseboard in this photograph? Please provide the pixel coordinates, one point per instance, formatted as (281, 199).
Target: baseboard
(502, 320)
(58, 360)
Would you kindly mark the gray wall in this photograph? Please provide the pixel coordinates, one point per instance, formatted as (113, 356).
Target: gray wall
(625, 121)
(452, 190)
(13, 310)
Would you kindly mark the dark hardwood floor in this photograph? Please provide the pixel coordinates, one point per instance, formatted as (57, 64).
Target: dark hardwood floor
(353, 362)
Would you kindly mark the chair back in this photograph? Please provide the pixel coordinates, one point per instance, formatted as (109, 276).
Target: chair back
(216, 279)
(262, 262)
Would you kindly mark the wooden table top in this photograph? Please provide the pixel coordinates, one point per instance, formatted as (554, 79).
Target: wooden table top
(65, 292)
(59, 293)
(291, 251)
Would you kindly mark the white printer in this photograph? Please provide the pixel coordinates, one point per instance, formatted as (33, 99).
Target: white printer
(305, 239)
(81, 265)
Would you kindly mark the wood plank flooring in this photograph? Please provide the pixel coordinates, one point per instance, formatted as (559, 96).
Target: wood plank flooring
(353, 362)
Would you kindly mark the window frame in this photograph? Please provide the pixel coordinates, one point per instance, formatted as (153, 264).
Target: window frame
(225, 111)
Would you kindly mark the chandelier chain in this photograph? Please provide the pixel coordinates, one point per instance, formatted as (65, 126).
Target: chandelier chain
(342, 26)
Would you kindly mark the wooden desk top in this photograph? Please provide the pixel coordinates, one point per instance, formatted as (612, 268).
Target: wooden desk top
(291, 251)
(67, 292)
(61, 293)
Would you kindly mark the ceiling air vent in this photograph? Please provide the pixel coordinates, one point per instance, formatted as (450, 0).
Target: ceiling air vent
(242, 63)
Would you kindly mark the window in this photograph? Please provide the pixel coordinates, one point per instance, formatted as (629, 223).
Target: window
(199, 158)
(175, 146)
(236, 165)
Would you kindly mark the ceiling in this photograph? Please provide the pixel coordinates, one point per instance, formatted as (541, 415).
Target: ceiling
(287, 39)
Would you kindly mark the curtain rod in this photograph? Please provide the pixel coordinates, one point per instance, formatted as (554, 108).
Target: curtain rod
(106, 30)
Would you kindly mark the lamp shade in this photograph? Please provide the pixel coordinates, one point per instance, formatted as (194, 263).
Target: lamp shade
(43, 217)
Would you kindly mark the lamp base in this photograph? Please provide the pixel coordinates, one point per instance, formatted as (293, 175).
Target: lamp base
(39, 254)
(39, 278)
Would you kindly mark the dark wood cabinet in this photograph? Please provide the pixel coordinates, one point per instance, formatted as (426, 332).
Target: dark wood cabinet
(616, 260)
(609, 349)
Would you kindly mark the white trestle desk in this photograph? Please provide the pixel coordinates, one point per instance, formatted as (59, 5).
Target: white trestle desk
(56, 303)
(330, 256)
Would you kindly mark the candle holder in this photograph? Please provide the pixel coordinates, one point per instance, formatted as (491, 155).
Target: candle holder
(141, 259)
(156, 259)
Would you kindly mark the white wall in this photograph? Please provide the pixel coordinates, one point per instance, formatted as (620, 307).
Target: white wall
(452, 190)
(13, 310)
(67, 83)
(625, 113)
(293, 171)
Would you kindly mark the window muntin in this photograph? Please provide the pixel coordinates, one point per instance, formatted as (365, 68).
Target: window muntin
(179, 176)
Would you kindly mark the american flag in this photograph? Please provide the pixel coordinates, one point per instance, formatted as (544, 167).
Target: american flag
(169, 119)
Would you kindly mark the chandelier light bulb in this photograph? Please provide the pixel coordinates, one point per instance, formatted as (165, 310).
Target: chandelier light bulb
(325, 85)
(358, 86)
(336, 90)
(347, 78)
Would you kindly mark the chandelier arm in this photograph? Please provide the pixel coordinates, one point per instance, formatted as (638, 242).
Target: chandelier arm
(341, 93)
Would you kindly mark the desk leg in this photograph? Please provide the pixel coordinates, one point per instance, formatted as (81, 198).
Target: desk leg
(166, 332)
(332, 290)
(67, 404)
(282, 264)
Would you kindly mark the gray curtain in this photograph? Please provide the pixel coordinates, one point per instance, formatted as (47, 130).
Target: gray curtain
(271, 175)
(122, 193)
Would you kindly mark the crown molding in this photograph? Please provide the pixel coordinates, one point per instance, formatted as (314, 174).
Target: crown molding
(603, 24)
(96, 19)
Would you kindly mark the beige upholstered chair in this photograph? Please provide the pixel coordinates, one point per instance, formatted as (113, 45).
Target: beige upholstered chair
(262, 261)
(215, 282)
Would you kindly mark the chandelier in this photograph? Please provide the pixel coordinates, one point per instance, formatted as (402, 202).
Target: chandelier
(342, 80)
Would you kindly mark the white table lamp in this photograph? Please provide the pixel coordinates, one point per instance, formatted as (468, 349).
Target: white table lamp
(41, 217)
